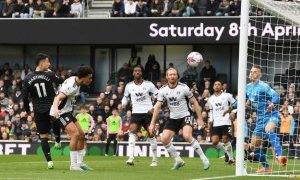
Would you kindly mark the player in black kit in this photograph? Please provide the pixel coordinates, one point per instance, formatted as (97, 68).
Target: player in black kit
(39, 87)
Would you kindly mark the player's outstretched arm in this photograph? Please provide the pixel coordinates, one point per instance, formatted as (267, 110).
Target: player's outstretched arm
(157, 108)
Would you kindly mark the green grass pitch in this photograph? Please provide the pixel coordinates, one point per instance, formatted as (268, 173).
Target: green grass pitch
(114, 168)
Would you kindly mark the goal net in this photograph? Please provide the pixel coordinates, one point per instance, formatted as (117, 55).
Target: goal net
(273, 45)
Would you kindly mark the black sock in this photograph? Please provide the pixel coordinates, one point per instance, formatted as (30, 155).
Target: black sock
(115, 146)
(57, 139)
(46, 149)
(56, 131)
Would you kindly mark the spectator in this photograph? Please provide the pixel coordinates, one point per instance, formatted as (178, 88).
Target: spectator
(235, 8)
(208, 72)
(21, 11)
(130, 8)
(204, 98)
(190, 75)
(120, 93)
(76, 9)
(3, 100)
(202, 7)
(191, 9)
(287, 106)
(2, 87)
(114, 126)
(118, 8)
(26, 69)
(141, 9)
(223, 9)
(156, 9)
(52, 7)
(154, 73)
(166, 8)
(177, 8)
(292, 73)
(108, 91)
(212, 7)
(124, 73)
(39, 9)
(225, 88)
(64, 9)
(7, 11)
(30, 6)
(286, 125)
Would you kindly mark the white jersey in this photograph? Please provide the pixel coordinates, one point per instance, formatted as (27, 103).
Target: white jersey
(140, 96)
(176, 99)
(218, 105)
(71, 90)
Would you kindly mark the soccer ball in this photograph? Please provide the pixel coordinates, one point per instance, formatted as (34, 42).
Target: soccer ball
(194, 59)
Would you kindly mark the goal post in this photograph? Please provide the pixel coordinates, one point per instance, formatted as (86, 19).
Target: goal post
(269, 37)
(243, 48)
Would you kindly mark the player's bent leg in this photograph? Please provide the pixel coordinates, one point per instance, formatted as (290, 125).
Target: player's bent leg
(133, 128)
(219, 145)
(275, 142)
(72, 131)
(46, 149)
(187, 135)
(166, 138)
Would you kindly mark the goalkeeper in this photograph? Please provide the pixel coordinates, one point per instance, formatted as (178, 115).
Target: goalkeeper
(264, 100)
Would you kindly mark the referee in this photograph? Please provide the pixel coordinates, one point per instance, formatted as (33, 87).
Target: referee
(114, 126)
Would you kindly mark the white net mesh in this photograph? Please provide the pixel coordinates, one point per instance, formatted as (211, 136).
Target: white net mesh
(274, 46)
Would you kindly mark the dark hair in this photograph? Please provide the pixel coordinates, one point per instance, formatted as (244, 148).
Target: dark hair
(138, 66)
(83, 106)
(219, 82)
(84, 71)
(40, 57)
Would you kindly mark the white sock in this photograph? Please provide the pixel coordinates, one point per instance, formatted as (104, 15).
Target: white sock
(131, 144)
(80, 155)
(173, 153)
(153, 147)
(195, 144)
(228, 149)
(222, 146)
(73, 158)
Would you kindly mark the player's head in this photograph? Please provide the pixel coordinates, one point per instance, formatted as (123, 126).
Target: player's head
(85, 75)
(137, 72)
(255, 73)
(172, 75)
(217, 86)
(84, 109)
(42, 61)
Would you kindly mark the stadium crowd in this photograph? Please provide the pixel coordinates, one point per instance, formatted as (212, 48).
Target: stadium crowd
(175, 8)
(16, 125)
(40, 8)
